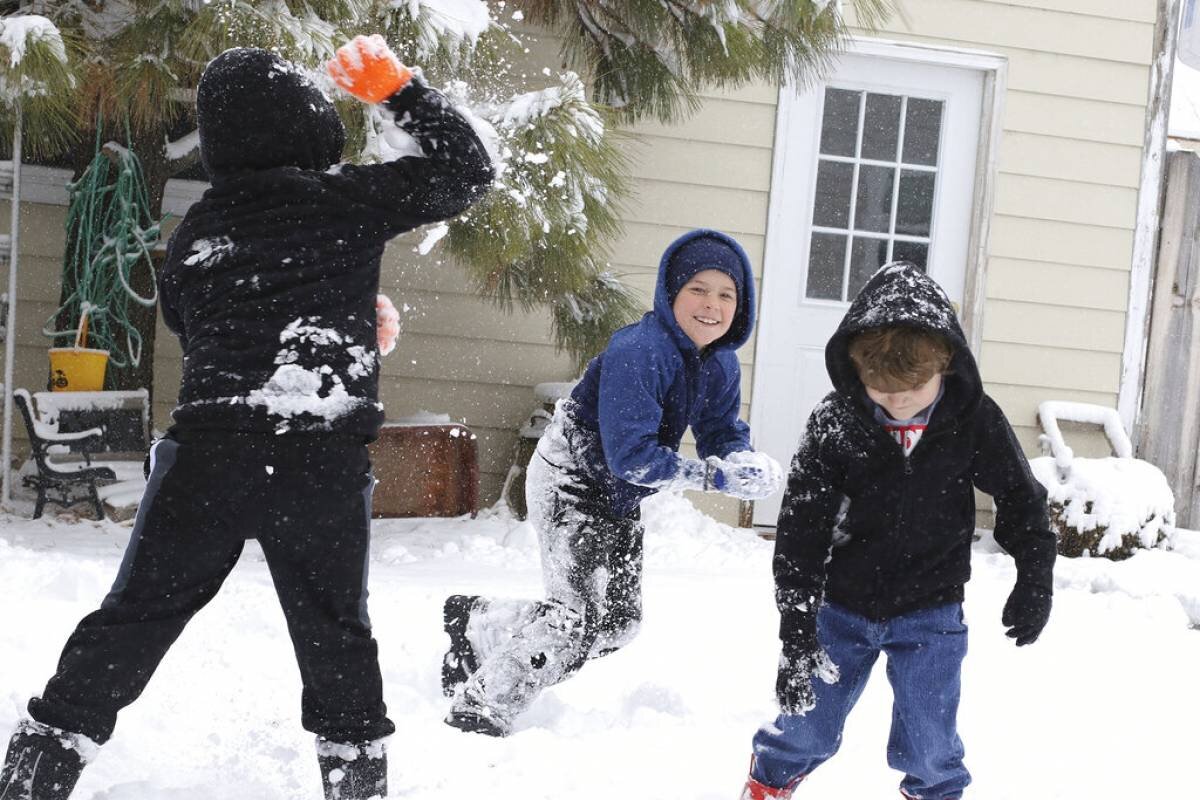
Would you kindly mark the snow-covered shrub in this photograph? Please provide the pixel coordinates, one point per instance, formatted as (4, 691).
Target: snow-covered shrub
(1107, 507)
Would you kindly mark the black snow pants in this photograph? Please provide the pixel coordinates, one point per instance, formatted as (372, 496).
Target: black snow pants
(307, 501)
(592, 569)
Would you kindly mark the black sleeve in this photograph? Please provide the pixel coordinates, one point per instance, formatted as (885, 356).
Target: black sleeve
(454, 172)
(166, 299)
(1022, 526)
(805, 529)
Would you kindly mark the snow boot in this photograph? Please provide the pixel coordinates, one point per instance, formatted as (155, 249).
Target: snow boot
(475, 719)
(760, 791)
(43, 763)
(754, 790)
(459, 661)
(352, 771)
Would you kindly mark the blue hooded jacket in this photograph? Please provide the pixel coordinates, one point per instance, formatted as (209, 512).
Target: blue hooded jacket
(639, 396)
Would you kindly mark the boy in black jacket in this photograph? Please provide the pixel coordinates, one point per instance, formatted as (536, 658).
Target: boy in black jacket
(874, 540)
(270, 283)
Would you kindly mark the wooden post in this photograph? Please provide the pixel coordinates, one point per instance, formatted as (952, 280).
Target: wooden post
(1169, 427)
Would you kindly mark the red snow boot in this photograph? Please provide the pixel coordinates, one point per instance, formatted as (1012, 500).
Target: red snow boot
(760, 791)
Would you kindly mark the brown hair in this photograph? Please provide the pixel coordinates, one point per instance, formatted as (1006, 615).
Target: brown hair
(894, 359)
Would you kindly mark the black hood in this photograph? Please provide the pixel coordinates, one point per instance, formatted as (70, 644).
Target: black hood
(900, 294)
(257, 111)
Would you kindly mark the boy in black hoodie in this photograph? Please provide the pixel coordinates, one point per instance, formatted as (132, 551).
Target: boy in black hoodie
(270, 283)
(874, 540)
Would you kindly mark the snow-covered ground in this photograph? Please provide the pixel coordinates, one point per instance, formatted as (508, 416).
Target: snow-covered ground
(1106, 705)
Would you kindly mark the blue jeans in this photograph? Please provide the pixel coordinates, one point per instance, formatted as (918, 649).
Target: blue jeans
(925, 650)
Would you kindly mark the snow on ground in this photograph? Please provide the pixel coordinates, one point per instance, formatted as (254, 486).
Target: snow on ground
(1106, 705)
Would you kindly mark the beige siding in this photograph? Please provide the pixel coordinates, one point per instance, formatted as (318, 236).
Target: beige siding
(1068, 166)
(38, 269)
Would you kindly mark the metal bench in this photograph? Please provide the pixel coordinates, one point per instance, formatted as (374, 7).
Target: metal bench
(61, 484)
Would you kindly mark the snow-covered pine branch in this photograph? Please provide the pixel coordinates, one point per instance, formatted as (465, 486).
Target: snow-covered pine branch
(651, 58)
(36, 73)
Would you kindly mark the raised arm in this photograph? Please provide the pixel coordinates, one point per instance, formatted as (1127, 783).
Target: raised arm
(454, 170)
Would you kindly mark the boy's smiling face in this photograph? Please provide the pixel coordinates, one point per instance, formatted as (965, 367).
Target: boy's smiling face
(705, 306)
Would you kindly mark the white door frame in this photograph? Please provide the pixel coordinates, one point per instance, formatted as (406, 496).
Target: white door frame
(995, 73)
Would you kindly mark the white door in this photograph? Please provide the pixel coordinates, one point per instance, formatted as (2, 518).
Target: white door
(876, 165)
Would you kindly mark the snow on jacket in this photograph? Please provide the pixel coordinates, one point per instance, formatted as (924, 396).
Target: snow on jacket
(905, 524)
(270, 280)
(638, 397)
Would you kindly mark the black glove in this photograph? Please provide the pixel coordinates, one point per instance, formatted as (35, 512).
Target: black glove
(802, 659)
(1026, 612)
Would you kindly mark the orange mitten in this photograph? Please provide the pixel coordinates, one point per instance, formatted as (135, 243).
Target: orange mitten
(387, 324)
(368, 69)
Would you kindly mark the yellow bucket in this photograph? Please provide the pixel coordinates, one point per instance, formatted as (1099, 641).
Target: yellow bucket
(77, 369)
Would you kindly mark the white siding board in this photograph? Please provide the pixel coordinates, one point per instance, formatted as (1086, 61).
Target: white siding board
(1072, 328)
(1071, 118)
(731, 210)
(1111, 9)
(1050, 367)
(1066, 201)
(460, 315)
(1064, 75)
(989, 25)
(1070, 159)
(722, 122)
(1059, 284)
(1061, 243)
(1057, 74)
(702, 163)
(403, 270)
(478, 360)
(31, 316)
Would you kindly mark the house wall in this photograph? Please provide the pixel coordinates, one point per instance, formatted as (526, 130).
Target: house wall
(1059, 251)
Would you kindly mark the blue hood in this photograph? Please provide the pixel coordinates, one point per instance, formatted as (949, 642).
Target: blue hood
(743, 324)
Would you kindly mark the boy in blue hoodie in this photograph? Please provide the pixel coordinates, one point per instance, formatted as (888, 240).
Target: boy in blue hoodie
(611, 444)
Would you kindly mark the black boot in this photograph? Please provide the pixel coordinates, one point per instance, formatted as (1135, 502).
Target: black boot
(43, 763)
(459, 661)
(352, 771)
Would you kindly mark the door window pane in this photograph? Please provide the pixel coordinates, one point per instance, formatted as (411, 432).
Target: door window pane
(922, 131)
(832, 206)
(873, 207)
(873, 203)
(881, 127)
(916, 252)
(914, 209)
(866, 256)
(826, 265)
(839, 123)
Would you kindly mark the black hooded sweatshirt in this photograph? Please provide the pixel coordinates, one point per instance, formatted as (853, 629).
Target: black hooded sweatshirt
(270, 279)
(904, 525)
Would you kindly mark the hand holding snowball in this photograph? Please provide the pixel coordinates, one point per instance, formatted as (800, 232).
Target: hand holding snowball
(368, 69)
